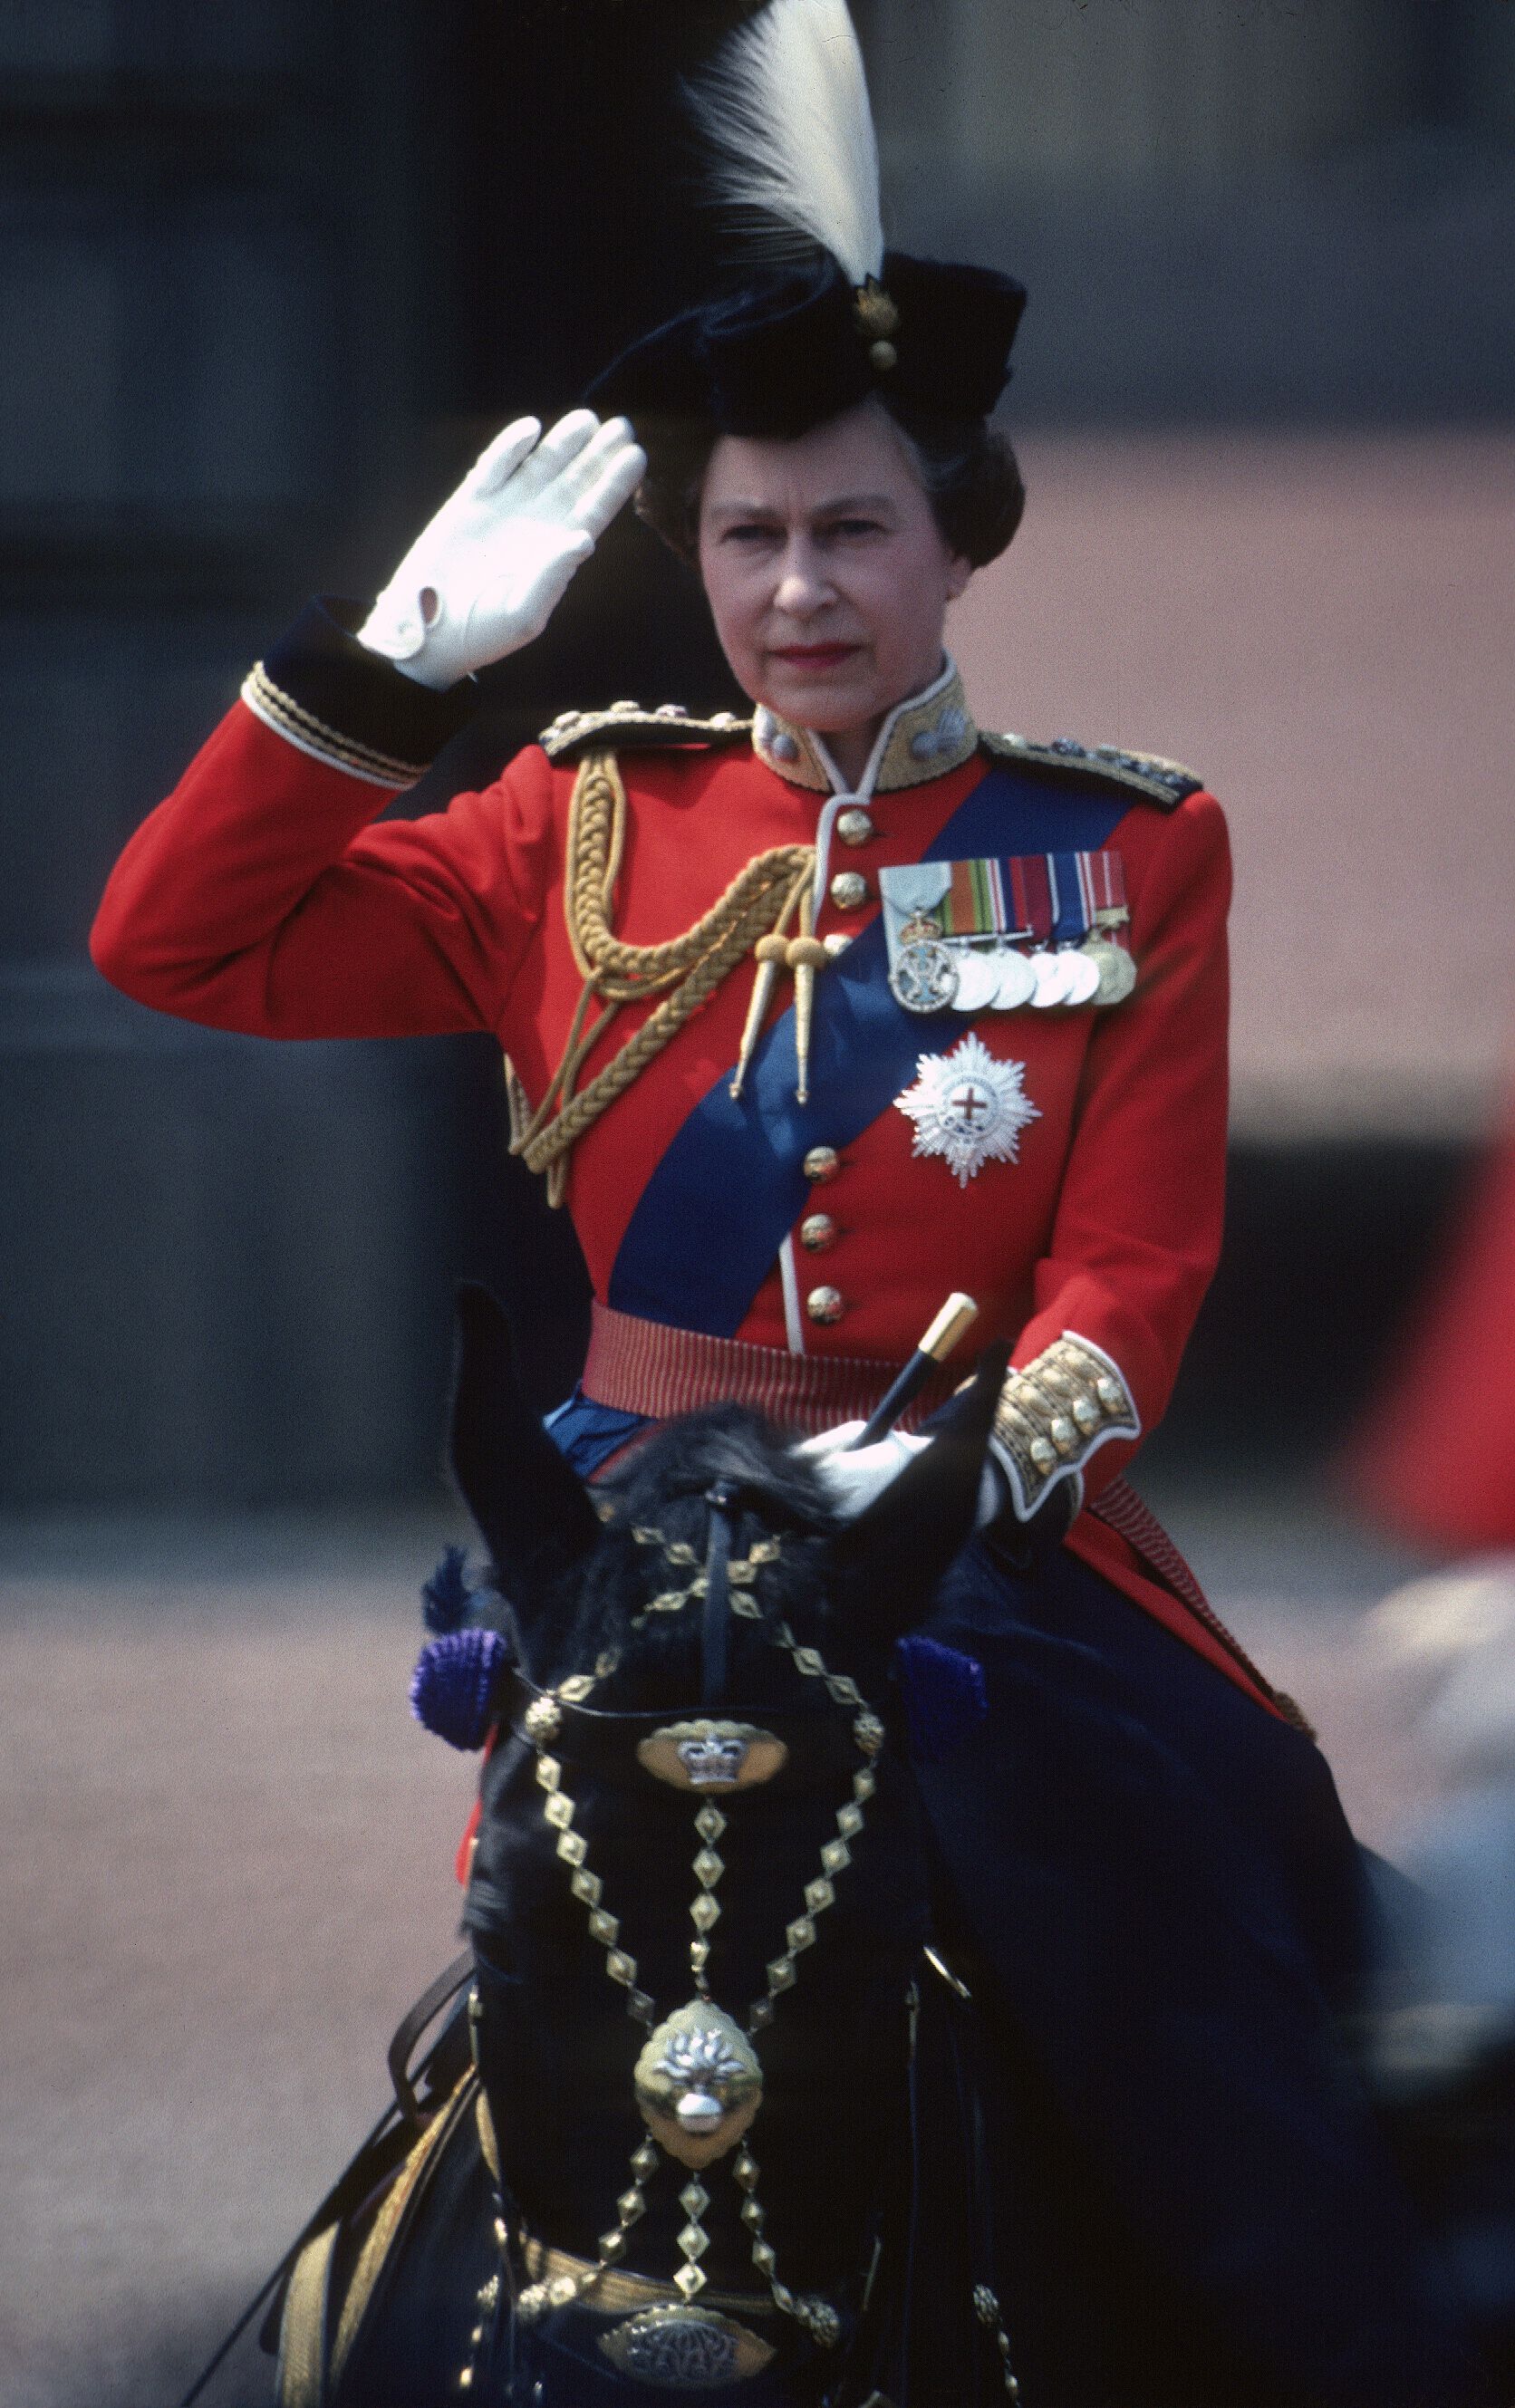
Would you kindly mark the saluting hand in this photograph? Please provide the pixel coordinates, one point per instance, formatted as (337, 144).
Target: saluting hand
(488, 572)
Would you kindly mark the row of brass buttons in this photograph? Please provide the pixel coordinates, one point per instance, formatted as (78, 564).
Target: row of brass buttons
(849, 889)
(849, 892)
(818, 1231)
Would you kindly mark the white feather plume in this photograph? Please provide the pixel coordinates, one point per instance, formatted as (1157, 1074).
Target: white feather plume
(783, 108)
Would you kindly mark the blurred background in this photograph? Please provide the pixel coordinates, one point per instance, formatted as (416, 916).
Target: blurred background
(272, 272)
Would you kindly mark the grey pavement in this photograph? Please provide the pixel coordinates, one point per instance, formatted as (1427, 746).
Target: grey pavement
(227, 1872)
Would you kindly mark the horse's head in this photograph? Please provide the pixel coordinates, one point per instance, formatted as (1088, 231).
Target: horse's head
(650, 1565)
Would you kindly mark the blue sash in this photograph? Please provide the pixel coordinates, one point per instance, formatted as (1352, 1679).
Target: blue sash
(709, 1223)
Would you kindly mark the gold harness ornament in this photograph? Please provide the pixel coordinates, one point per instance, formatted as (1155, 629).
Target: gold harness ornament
(697, 2081)
(676, 976)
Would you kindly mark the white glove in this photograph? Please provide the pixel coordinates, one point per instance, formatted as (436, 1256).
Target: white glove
(489, 572)
(856, 1475)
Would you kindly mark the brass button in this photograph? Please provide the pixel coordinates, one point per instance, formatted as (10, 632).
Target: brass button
(855, 826)
(825, 1304)
(837, 942)
(849, 888)
(818, 1231)
(821, 1162)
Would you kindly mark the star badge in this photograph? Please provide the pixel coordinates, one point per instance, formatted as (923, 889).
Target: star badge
(968, 1107)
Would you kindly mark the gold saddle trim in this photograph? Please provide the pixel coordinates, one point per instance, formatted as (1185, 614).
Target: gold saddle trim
(618, 2293)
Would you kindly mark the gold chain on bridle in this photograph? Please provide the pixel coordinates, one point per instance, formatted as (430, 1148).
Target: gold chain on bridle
(682, 973)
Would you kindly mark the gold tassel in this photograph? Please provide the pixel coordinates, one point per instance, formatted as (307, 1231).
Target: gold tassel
(769, 951)
(806, 955)
(518, 1104)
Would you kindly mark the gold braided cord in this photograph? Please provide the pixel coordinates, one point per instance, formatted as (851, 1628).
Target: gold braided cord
(683, 972)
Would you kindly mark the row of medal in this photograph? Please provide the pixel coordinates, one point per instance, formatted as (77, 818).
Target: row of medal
(935, 973)
(955, 931)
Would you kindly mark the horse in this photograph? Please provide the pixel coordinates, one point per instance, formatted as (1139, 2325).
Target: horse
(715, 2131)
(891, 1981)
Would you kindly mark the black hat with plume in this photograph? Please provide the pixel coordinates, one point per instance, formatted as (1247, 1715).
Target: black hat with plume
(823, 316)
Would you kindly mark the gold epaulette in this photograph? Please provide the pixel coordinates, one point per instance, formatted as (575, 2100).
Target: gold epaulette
(628, 726)
(1166, 784)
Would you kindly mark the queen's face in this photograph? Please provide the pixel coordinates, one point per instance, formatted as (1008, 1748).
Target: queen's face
(828, 575)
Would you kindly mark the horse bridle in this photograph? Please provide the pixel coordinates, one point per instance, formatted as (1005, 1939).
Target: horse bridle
(722, 1497)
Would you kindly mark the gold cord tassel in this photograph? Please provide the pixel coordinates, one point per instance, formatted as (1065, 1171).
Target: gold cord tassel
(771, 952)
(806, 955)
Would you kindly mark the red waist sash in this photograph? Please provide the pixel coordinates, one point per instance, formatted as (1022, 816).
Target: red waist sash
(646, 1367)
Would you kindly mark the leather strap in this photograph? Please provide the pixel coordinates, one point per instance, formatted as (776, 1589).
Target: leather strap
(716, 1634)
(425, 2010)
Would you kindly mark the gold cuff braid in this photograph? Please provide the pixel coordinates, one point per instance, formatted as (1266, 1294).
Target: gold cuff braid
(279, 711)
(1052, 1414)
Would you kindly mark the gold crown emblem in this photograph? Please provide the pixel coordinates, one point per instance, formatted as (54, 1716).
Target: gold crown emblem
(706, 1755)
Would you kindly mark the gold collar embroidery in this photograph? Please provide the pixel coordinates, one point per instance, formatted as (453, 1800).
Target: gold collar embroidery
(922, 737)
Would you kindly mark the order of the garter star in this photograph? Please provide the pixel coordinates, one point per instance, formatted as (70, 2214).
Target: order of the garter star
(968, 1107)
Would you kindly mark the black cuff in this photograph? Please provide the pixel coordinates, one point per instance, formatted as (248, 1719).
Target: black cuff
(328, 691)
(1023, 1544)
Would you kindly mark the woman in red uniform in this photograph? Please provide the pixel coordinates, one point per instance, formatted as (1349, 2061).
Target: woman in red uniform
(813, 1018)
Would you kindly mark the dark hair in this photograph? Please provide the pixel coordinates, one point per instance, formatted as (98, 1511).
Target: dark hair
(966, 464)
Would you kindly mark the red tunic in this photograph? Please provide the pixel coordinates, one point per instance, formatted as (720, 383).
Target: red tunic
(259, 898)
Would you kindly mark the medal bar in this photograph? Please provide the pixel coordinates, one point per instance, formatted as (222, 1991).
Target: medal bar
(956, 931)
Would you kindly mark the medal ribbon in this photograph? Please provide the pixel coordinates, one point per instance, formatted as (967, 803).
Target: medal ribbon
(708, 1225)
(1081, 883)
(1031, 888)
(1101, 878)
(1046, 898)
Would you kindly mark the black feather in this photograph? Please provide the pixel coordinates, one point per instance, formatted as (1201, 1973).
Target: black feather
(445, 1597)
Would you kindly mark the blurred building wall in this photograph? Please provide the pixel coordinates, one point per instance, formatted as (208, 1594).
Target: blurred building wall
(1044, 93)
(271, 272)
(266, 269)
(209, 232)
(1253, 215)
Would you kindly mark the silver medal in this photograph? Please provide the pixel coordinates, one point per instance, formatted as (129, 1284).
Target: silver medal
(1015, 980)
(1050, 987)
(1081, 978)
(924, 976)
(978, 980)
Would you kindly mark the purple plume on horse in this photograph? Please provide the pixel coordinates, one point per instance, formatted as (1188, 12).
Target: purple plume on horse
(453, 1684)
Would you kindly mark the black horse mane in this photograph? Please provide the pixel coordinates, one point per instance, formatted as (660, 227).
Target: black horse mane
(678, 1462)
(662, 1485)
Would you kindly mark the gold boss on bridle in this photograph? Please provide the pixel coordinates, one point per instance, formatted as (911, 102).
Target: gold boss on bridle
(754, 915)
